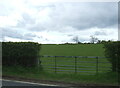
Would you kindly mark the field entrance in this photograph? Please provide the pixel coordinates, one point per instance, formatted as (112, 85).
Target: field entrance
(86, 65)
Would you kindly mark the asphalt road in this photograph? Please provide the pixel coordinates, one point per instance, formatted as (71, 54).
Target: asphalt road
(10, 84)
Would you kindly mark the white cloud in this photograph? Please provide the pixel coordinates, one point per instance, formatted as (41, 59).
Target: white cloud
(34, 20)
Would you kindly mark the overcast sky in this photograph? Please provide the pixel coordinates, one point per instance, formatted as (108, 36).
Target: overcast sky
(33, 20)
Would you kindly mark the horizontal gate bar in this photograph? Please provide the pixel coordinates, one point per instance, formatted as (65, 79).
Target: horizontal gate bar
(74, 56)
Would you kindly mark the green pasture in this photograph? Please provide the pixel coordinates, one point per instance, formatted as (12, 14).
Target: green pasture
(72, 50)
(69, 65)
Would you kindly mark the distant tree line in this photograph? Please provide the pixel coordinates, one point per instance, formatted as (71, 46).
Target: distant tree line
(98, 42)
(93, 40)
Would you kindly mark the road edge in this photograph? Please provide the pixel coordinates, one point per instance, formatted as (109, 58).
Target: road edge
(57, 83)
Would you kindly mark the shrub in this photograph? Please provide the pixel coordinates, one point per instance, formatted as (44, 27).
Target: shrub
(20, 53)
(112, 50)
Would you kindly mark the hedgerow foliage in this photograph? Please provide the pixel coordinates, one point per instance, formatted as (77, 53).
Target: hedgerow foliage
(20, 53)
(112, 50)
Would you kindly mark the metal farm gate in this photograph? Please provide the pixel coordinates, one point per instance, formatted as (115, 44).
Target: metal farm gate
(87, 65)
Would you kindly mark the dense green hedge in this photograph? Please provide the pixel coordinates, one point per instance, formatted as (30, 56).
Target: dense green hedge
(20, 53)
(112, 50)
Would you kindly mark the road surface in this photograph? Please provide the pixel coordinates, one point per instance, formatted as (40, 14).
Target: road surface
(10, 84)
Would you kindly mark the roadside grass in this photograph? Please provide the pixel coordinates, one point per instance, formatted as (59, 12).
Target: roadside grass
(109, 78)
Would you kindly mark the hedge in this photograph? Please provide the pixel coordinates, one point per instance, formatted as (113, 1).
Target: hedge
(20, 53)
(112, 50)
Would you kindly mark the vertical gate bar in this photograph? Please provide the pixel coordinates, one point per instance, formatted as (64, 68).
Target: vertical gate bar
(96, 65)
(55, 65)
(75, 65)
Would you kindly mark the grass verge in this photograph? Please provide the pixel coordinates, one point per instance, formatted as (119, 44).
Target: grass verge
(36, 73)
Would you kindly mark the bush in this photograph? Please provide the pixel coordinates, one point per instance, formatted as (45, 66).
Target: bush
(20, 53)
(112, 50)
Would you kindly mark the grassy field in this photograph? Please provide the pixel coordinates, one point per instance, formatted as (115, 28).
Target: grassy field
(68, 65)
(72, 50)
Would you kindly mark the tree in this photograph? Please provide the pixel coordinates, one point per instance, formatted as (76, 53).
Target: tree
(93, 39)
(99, 41)
(76, 39)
